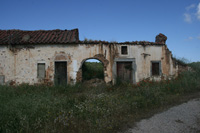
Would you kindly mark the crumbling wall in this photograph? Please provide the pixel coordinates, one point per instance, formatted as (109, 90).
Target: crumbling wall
(99, 57)
(182, 67)
(6, 65)
(144, 55)
(95, 51)
(20, 64)
(25, 61)
(161, 38)
(169, 67)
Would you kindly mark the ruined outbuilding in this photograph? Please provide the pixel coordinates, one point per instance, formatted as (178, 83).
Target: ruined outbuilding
(57, 56)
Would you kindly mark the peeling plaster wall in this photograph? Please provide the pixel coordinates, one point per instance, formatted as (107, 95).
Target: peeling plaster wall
(6, 63)
(20, 65)
(94, 51)
(144, 54)
(169, 68)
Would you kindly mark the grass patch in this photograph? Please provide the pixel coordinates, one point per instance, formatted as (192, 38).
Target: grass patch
(78, 108)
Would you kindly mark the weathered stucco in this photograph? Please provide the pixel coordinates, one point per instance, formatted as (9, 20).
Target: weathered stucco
(19, 65)
(22, 52)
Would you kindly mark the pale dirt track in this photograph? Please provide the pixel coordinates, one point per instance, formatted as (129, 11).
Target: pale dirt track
(184, 118)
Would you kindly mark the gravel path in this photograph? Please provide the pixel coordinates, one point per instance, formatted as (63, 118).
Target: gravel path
(184, 118)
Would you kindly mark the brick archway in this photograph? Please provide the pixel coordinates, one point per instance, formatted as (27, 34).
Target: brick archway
(99, 57)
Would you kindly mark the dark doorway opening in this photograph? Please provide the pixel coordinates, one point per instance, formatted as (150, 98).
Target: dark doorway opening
(124, 71)
(92, 69)
(155, 68)
(60, 73)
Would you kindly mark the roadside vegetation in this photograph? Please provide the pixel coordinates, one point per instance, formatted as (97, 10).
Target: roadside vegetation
(79, 108)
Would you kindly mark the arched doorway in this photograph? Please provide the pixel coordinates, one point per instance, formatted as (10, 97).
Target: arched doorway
(101, 58)
(92, 69)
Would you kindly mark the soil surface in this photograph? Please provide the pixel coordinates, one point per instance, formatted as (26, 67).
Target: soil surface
(184, 118)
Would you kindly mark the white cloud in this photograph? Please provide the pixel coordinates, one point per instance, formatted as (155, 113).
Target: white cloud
(187, 18)
(190, 7)
(191, 14)
(198, 11)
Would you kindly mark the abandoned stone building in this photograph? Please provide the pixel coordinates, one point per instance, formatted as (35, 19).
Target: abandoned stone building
(49, 56)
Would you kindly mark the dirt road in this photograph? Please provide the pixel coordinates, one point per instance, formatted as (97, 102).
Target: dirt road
(184, 118)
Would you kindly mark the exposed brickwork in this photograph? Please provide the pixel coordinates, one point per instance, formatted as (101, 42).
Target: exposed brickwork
(161, 38)
(100, 57)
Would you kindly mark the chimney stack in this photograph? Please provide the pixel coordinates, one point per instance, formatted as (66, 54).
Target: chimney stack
(161, 38)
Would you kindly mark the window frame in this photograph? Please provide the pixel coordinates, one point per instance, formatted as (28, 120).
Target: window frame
(160, 68)
(38, 74)
(127, 51)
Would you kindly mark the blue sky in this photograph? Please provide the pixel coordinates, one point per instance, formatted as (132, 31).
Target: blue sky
(112, 20)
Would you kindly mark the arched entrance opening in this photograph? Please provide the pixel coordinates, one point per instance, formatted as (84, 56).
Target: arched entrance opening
(92, 69)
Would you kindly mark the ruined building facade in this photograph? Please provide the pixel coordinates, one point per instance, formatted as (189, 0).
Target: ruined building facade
(57, 56)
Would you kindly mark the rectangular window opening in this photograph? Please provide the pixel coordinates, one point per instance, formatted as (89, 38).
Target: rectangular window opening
(41, 70)
(155, 68)
(124, 50)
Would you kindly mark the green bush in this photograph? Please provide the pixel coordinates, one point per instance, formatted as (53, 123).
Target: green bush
(92, 70)
(40, 108)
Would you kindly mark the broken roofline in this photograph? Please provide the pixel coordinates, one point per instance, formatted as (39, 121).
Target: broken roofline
(160, 40)
(95, 42)
(57, 36)
(123, 43)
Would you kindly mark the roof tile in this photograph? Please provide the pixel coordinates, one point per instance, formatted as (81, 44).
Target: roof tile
(39, 36)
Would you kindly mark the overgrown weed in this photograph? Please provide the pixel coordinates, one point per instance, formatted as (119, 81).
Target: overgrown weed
(78, 108)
